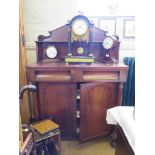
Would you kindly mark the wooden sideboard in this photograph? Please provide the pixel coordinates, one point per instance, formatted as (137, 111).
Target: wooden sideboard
(78, 77)
(78, 95)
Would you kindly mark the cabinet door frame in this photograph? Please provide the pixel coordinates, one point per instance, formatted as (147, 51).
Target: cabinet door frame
(86, 111)
(66, 110)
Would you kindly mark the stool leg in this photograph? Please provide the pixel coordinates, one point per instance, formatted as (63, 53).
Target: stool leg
(56, 140)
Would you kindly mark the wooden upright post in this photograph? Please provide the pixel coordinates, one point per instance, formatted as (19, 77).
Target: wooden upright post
(22, 62)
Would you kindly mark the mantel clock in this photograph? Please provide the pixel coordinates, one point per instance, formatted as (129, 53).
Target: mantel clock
(109, 44)
(80, 34)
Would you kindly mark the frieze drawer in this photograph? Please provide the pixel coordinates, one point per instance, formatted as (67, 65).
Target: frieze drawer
(53, 76)
(100, 76)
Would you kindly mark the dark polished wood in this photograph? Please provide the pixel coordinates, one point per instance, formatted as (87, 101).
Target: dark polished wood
(61, 72)
(59, 39)
(100, 89)
(113, 136)
(95, 99)
(100, 83)
(123, 147)
(59, 101)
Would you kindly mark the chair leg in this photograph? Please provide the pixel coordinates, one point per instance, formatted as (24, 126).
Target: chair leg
(114, 136)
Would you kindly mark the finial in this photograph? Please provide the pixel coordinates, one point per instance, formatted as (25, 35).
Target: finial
(80, 12)
(68, 20)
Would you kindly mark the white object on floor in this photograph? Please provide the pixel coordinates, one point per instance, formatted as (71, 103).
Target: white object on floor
(123, 116)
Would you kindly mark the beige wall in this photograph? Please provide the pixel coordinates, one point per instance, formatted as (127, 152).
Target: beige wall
(40, 16)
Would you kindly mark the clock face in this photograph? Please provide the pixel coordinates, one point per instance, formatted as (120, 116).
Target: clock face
(79, 27)
(51, 52)
(80, 50)
(108, 43)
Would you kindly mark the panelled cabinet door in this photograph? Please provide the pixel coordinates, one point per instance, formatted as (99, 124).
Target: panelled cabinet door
(59, 101)
(95, 99)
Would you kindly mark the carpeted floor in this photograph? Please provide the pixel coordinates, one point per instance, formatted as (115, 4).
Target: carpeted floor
(96, 147)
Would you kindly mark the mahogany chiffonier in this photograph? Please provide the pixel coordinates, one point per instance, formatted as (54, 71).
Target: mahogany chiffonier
(78, 77)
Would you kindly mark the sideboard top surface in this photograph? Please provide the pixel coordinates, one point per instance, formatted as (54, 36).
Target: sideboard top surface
(62, 65)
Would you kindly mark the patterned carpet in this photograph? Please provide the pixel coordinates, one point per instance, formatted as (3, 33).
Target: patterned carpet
(96, 147)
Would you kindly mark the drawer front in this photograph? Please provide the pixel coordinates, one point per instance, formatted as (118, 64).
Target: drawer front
(53, 76)
(77, 75)
(100, 76)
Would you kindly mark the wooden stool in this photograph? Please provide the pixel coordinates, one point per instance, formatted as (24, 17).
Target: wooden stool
(44, 131)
